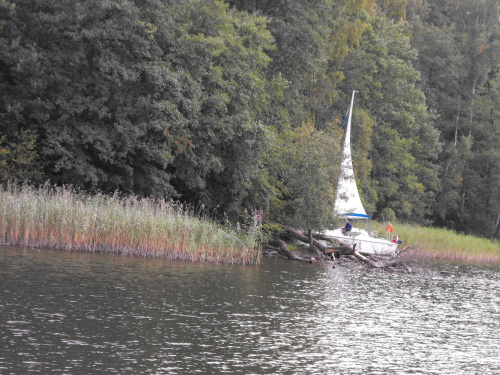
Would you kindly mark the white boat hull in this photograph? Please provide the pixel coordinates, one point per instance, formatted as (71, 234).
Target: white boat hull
(365, 244)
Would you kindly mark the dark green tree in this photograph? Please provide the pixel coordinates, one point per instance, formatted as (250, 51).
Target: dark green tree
(224, 54)
(305, 162)
(301, 31)
(146, 97)
(86, 78)
(484, 194)
(18, 157)
(458, 43)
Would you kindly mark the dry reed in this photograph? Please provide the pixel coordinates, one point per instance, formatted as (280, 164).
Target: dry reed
(52, 217)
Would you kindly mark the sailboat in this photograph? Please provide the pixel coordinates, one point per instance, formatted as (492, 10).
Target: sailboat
(348, 205)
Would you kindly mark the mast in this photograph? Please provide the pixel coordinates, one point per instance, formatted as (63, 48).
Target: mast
(347, 201)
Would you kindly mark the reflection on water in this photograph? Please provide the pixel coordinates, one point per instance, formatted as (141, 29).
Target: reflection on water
(74, 313)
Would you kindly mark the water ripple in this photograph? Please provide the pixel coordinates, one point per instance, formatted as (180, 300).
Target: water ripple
(89, 313)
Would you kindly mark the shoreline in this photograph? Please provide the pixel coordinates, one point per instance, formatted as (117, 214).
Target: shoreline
(60, 218)
(413, 255)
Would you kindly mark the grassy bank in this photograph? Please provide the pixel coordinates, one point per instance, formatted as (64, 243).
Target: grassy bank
(434, 243)
(67, 220)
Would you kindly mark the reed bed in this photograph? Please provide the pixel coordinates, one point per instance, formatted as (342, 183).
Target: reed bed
(443, 244)
(61, 218)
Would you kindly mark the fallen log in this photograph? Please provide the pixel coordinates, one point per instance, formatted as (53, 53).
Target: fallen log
(343, 250)
(368, 261)
(283, 249)
(315, 239)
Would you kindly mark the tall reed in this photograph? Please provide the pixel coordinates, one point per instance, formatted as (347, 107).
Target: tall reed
(436, 243)
(50, 217)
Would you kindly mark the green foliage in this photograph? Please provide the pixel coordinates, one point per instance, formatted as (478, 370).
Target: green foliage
(86, 78)
(349, 22)
(18, 158)
(145, 97)
(301, 32)
(307, 165)
(234, 104)
(388, 214)
(272, 230)
(226, 59)
(404, 142)
(458, 43)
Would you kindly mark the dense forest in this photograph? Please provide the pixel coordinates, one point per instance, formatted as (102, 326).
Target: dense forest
(237, 105)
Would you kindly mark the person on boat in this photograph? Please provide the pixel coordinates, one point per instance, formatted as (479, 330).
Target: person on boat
(347, 229)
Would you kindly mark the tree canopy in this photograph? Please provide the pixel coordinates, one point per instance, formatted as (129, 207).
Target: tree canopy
(233, 105)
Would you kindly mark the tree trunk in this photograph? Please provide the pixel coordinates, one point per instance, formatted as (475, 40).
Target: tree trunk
(368, 261)
(311, 246)
(283, 249)
(498, 227)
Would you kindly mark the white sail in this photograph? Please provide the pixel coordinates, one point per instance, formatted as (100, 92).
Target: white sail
(347, 201)
(348, 204)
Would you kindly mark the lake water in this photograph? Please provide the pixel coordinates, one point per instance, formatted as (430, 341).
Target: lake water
(78, 313)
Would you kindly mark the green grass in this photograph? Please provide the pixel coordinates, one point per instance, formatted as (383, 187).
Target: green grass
(443, 244)
(60, 218)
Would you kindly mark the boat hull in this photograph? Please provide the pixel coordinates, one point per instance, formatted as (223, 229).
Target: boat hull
(365, 244)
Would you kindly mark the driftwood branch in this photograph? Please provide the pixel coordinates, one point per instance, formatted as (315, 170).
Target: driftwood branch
(371, 263)
(316, 240)
(283, 249)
